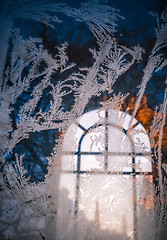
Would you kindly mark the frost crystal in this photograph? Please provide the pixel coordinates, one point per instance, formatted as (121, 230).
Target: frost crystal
(96, 171)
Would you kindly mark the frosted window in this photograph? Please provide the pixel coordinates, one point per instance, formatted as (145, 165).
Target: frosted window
(120, 163)
(118, 141)
(94, 140)
(105, 154)
(120, 118)
(91, 118)
(143, 164)
(69, 162)
(108, 201)
(140, 139)
(72, 137)
(92, 162)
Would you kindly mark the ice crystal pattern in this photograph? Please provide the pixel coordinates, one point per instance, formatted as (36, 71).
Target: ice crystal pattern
(28, 71)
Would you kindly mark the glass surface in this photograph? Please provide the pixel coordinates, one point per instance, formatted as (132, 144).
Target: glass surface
(69, 163)
(71, 138)
(105, 202)
(145, 207)
(92, 162)
(140, 139)
(120, 118)
(94, 141)
(118, 142)
(67, 186)
(119, 163)
(87, 120)
(66, 205)
(143, 164)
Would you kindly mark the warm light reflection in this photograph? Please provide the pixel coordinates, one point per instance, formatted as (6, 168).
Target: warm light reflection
(99, 169)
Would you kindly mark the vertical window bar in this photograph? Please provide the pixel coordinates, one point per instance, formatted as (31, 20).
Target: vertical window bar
(106, 139)
(77, 194)
(78, 179)
(134, 195)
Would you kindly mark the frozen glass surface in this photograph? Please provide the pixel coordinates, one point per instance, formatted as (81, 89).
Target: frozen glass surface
(87, 120)
(143, 164)
(107, 201)
(72, 137)
(118, 141)
(68, 185)
(145, 207)
(120, 118)
(140, 139)
(94, 141)
(127, 121)
(120, 163)
(92, 162)
(66, 205)
(69, 163)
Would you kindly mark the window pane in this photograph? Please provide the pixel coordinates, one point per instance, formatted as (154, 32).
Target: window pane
(89, 119)
(108, 202)
(118, 141)
(94, 141)
(120, 163)
(143, 164)
(140, 139)
(92, 162)
(127, 121)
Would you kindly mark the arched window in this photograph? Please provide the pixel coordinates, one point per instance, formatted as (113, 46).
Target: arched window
(106, 169)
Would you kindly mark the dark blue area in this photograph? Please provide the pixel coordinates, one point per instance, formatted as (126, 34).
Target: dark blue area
(35, 149)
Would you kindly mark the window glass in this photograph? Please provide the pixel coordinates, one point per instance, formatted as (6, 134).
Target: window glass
(72, 137)
(106, 173)
(94, 141)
